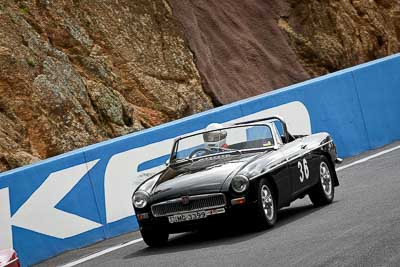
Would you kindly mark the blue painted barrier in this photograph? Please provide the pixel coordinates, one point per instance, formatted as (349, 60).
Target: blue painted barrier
(81, 197)
(333, 106)
(378, 88)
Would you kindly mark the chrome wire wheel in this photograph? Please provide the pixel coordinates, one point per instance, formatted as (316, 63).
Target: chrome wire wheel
(324, 191)
(326, 180)
(267, 202)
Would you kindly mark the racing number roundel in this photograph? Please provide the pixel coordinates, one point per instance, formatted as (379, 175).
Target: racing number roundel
(304, 172)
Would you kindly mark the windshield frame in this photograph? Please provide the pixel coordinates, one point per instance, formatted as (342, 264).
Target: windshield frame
(173, 161)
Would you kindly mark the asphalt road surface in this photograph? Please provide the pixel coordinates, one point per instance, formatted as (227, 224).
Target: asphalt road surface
(361, 228)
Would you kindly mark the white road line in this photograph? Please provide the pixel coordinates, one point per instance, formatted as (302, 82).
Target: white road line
(368, 158)
(100, 253)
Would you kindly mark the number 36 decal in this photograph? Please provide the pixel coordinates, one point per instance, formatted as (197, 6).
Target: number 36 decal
(304, 172)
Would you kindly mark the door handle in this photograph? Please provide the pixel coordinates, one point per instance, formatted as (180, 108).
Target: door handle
(303, 146)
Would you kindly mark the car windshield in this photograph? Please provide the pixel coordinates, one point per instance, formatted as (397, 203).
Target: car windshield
(236, 139)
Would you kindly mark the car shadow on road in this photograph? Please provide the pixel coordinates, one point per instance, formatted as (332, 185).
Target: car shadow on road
(232, 231)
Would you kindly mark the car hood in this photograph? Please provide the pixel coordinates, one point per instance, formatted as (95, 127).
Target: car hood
(199, 177)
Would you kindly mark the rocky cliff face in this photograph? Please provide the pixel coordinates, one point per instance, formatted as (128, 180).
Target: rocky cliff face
(76, 72)
(244, 48)
(239, 48)
(331, 35)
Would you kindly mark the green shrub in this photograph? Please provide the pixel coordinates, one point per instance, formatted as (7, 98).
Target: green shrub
(24, 10)
(31, 61)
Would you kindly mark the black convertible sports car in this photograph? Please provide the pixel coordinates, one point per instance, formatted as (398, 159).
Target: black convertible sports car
(255, 165)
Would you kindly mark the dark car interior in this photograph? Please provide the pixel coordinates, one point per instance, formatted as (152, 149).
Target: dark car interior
(265, 142)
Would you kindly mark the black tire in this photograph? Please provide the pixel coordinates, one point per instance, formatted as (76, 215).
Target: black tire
(154, 238)
(324, 191)
(266, 208)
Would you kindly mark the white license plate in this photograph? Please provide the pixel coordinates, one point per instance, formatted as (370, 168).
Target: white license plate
(194, 215)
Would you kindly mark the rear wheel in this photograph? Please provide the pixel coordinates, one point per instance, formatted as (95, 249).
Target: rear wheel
(154, 238)
(323, 192)
(266, 209)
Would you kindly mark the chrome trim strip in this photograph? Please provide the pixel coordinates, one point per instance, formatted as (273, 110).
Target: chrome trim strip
(283, 163)
(309, 150)
(324, 144)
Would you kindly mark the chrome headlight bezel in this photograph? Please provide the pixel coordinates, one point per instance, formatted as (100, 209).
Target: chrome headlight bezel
(240, 184)
(140, 199)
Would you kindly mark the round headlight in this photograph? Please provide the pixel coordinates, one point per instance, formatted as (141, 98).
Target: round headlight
(140, 199)
(240, 183)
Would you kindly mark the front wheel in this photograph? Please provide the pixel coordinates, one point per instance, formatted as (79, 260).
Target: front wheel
(323, 192)
(266, 209)
(154, 238)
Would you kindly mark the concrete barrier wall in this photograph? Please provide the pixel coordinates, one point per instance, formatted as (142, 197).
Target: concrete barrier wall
(378, 87)
(81, 197)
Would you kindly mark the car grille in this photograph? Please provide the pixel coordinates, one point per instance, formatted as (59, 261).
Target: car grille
(196, 203)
